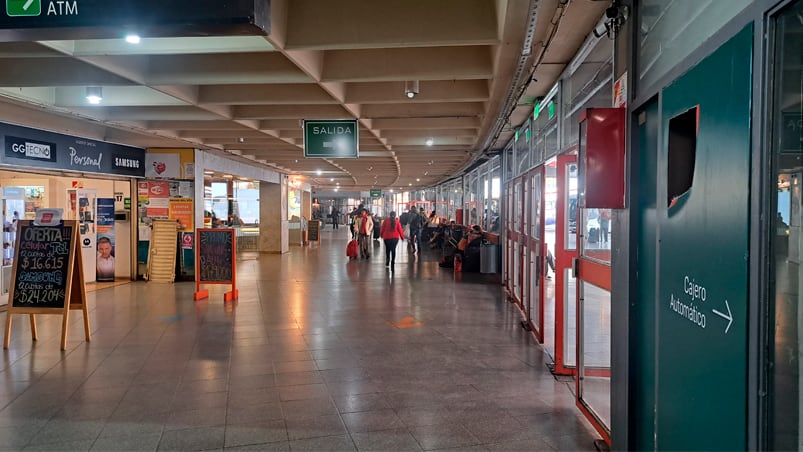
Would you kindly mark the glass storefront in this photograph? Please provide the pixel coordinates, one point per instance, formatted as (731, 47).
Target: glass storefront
(98, 204)
(786, 423)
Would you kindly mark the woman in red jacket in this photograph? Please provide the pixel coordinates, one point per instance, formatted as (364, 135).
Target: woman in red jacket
(391, 231)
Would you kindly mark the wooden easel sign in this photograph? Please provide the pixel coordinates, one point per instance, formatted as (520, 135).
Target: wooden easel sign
(47, 276)
(215, 257)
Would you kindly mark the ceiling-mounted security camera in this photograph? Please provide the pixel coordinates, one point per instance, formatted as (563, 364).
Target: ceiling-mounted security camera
(411, 89)
(615, 17)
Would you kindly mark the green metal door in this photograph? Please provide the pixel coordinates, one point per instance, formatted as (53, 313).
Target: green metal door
(703, 222)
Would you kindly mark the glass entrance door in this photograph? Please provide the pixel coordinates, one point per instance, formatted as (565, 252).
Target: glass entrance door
(593, 273)
(785, 419)
(534, 227)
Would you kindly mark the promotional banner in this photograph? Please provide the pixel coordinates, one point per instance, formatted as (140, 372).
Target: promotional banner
(158, 199)
(86, 215)
(181, 211)
(105, 246)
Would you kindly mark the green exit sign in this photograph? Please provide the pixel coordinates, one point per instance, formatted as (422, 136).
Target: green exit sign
(17, 8)
(376, 193)
(336, 138)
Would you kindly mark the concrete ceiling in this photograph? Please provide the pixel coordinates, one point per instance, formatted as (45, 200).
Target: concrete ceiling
(246, 96)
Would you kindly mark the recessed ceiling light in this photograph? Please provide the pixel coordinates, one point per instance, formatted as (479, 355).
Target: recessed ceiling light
(331, 179)
(430, 142)
(241, 140)
(94, 94)
(318, 172)
(410, 184)
(132, 38)
(418, 179)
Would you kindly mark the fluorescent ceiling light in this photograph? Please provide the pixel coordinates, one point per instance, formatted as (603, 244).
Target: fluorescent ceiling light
(94, 94)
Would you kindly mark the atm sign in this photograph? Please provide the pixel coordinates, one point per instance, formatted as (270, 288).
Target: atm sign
(17, 8)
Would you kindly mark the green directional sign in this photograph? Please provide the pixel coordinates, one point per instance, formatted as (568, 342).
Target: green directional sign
(376, 193)
(17, 8)
(331, 138)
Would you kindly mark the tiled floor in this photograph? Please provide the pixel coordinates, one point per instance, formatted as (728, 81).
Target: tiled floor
(318, 354)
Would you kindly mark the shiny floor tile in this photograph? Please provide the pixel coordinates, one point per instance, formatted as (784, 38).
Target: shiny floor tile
(319, 353)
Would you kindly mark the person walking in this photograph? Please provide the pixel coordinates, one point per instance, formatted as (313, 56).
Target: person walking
(391, 231)
(417, 221)
(364, 228)
(335, 218)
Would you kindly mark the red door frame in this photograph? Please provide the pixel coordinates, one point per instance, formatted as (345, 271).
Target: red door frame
(564, 259)
(515, 236)
(510, 238)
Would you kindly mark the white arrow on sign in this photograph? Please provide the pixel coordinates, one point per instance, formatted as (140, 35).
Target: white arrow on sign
(728, 317)
(27, 5)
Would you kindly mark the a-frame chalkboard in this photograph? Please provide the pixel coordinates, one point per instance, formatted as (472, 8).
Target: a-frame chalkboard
(47, 276)
(216, 256)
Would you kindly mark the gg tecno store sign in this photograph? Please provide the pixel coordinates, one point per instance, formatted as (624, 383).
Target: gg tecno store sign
(30, 149)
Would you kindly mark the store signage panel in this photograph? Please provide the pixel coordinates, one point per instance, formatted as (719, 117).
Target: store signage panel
(38, 148)
(31, 20)
(29, 149)
(331, 138)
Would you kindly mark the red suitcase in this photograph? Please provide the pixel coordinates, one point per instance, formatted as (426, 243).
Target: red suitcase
(352, 249)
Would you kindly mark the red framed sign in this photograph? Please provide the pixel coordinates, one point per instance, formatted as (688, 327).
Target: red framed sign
(215, 256)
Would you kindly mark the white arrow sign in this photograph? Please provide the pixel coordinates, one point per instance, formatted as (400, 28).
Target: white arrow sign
(727, 317)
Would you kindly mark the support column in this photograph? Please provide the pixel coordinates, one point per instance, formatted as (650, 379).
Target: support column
(306, 205)
(273, 224)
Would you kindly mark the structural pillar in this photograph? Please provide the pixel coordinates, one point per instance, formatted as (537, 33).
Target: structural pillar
(273, 223)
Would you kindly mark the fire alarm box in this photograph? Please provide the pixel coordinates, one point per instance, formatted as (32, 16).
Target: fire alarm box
(602, 157)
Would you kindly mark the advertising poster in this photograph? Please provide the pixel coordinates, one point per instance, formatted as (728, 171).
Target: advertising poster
(166, 166)
(187, 239)
(158, 203)
(87, 226)
(181, 211)
(105, 246)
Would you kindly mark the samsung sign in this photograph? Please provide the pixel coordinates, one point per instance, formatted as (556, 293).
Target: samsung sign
(30, 149)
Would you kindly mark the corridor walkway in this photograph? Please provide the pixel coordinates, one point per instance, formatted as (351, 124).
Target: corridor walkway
(318, 354)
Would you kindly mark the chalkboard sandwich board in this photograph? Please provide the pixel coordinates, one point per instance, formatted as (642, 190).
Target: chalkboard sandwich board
(215, 256)
(314, 231)
(47, 276)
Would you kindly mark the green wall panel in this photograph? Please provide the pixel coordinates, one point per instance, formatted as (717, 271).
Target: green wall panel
(703, 263)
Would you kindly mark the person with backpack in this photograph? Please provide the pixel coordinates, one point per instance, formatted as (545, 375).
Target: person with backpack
(417, 221)
(391, 231)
